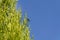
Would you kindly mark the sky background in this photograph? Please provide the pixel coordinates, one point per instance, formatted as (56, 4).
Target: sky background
(44, 18)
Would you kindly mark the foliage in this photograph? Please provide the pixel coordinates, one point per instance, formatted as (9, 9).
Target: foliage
(11, 26)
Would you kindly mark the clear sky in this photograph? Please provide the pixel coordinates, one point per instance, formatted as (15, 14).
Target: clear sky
(44, 16)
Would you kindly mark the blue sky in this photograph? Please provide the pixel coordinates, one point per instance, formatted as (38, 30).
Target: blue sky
(44, 16)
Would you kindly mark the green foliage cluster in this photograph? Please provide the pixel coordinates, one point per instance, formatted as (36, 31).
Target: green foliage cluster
(11, 27)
